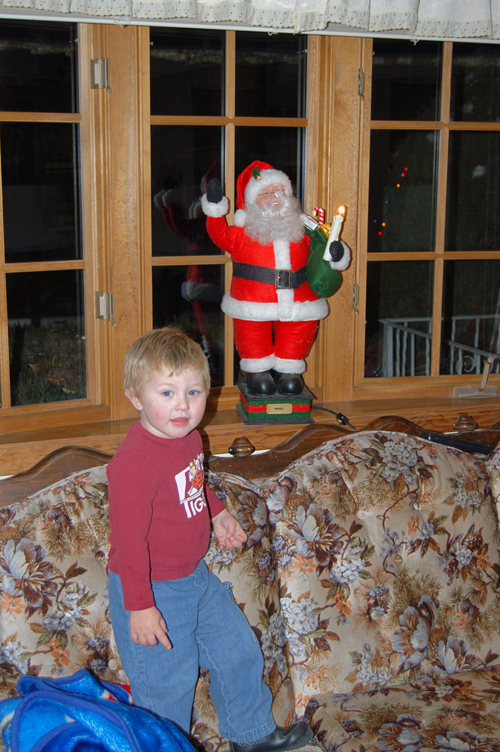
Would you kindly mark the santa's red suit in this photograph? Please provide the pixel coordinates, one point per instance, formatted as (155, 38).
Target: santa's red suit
(275, 312)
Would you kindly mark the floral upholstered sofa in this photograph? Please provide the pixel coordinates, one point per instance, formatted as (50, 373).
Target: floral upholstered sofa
(371, 577)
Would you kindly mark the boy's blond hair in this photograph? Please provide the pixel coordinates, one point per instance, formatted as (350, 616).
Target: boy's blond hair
(168, 348)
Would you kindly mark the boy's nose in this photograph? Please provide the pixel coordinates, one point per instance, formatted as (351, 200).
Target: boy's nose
(182, 402)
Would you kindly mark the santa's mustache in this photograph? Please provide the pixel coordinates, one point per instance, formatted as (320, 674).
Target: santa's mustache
(281, 221)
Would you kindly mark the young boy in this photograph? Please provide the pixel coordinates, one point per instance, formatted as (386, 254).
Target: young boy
(170, 615)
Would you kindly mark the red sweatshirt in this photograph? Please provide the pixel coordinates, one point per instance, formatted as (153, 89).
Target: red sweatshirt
(160, 523)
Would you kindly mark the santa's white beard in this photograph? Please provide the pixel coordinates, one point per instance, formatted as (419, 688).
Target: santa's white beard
(283, 222)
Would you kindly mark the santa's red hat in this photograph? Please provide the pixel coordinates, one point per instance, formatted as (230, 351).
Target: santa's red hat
(252, 181)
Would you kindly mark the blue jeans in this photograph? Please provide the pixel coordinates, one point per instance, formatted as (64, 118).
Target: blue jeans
(207, 629)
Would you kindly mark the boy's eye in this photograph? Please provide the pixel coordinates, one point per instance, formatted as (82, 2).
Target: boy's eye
(167, 393)
(192, 392)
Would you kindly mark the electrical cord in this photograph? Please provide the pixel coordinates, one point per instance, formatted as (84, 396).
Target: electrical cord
(340, 416)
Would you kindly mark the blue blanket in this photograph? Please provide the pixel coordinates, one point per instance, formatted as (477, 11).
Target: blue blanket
(81, 714)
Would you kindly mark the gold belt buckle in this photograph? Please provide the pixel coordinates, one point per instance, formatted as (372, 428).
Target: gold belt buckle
(277, 279)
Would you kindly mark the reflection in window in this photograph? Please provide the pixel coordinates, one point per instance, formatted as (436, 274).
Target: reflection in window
(270, 75)
(403, 188)
(190, 297)
(472, 215)
(46, 336)
(406, 80)
(40, 191)
(475, 83)
(399, 318)
(184, 159)
(471, 316)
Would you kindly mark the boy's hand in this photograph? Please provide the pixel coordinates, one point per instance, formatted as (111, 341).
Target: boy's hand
(148, 627)
(228, 530)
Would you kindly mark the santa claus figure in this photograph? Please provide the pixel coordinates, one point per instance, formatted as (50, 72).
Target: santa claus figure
(275, 312)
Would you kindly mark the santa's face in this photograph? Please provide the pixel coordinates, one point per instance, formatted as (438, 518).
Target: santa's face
(270, 196)
(274, 216)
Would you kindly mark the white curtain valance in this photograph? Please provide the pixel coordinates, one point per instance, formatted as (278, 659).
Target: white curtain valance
(439, 19)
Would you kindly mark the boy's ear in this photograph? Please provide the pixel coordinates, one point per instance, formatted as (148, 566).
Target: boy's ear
(134, 399)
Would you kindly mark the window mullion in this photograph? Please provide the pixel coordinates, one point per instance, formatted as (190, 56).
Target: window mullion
(4, 342)
(364, 184)
(446, 82)
(437, 306)
(230, 74)
(230, 177)
(444, 139)
(5, 392)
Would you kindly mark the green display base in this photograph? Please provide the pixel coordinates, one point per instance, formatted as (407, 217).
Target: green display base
(277, 409)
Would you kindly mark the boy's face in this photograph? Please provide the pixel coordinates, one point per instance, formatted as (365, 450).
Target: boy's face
(171, 406)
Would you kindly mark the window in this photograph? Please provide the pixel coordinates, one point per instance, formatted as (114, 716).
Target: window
(183, 106)
(219, 100)
(432, 273)
(101, 188)
(42, 268)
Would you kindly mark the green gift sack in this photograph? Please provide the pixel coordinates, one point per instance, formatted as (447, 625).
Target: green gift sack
(321, 278)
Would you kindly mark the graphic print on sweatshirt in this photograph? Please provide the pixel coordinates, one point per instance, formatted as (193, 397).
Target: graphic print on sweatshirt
(190, 487)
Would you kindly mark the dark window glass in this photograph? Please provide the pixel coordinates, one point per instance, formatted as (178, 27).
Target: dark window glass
(475, 83)
(190, 297)
(40, 191)
(280, 147)
(46, 336)
(471, 316)
(270, 75)
(183, 159)
(403, 189)
(406, 80)
(399, 318)
(187, 72)
(472, 212)
(38, 64)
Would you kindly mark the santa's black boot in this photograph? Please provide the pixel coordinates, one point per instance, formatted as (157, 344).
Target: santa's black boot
(260, 384)
(289, 383)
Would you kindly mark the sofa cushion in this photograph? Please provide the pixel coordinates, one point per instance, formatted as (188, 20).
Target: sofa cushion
(456, 712)
(54, 618)
(53, 554)
(493, 468)
(387, 552)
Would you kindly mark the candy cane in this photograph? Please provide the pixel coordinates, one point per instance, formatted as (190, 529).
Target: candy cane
(320, 214)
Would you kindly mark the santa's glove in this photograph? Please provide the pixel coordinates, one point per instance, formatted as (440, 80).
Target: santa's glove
(336, 250)
(213, 202)
(214, 191)
(340, 255)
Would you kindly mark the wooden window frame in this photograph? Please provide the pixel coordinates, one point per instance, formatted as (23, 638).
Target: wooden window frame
(436, 385)
(116, 190)
(13, 419)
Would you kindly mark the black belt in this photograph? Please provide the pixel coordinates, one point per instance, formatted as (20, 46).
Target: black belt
(282, 279)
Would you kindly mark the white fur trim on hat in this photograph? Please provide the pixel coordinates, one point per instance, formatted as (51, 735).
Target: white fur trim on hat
(215, 210)
(267, 177)
(240, 218)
